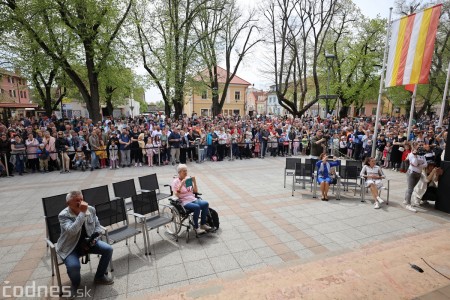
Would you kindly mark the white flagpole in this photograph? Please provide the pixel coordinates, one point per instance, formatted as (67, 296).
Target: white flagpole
(411, 111)
(444, 98)
(380, 93)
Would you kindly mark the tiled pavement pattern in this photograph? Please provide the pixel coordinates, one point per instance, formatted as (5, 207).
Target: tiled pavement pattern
(262, 227)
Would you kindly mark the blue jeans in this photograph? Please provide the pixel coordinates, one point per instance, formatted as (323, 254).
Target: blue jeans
(73, 265)
(94, 160)
(196, 206)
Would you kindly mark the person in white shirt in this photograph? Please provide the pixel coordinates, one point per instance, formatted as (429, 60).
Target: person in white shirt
(374, 179)
(417, 162)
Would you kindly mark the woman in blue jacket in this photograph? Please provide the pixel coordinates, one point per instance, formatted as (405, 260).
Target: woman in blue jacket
(324, 174)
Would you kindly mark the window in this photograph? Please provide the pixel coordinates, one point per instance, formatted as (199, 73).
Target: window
(21, 94)
(236, 112)
(204, 112)
(14, 92)
(237, 95)
(2, 91)
(374, 111)
(10, 79)
(10, 93)
(204, 94)
(24, 94)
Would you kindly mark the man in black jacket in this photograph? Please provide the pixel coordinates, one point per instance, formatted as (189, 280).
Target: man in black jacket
(62, 145)
(5, 148)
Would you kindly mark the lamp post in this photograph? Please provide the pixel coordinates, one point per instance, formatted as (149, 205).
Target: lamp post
(328, 56)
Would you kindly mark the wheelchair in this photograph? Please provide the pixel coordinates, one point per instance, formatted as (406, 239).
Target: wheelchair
(181, 217)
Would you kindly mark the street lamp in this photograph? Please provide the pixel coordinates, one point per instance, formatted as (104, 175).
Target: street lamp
(328, 56)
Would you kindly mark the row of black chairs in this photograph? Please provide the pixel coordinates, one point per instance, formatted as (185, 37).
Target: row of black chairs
(113, 213)
(347, 175)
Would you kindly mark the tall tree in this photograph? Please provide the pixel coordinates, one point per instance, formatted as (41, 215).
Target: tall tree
(357, 47)
(92, 24)
(298, 29)
(219, 32)
(167, 41)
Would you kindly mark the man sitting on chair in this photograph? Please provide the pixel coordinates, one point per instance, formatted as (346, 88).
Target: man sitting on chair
(185, 187)
(79, 222)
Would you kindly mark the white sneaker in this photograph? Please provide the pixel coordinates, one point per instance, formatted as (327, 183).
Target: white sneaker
(376, 205)
(117, 167)
(380, 200)
(200, 231)
(205, 227)
(140, 164)
(410, 208)
(110, 168)
(135, 165)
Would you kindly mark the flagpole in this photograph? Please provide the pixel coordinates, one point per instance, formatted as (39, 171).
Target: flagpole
(444, 98)
(380, 92)
(411, 111)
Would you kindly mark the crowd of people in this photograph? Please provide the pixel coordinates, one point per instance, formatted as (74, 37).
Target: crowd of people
(44, 144)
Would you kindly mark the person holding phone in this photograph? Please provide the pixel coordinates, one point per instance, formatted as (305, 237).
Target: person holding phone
(324, 174)
(185, 188)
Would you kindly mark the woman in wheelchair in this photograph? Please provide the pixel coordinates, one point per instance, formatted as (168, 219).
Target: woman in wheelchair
(185, 188)
(374, 179)
(324, 174)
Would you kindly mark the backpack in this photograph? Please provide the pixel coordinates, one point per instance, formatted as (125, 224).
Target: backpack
(212, 219)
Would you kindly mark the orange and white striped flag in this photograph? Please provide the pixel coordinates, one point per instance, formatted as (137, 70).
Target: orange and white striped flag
(411, 47)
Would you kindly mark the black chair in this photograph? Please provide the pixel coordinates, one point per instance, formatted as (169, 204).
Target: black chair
(356, 163)
(289, 168)
(150, 183)
(350, 177)
(96, 195)
(302, 174)
(146, 211)
(125, 189)
(112, 214)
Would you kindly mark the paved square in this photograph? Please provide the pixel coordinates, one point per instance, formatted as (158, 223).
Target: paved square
(262, 225)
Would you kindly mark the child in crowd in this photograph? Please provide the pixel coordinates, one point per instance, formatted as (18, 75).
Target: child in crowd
(43, 155)
(295, 145)
(386, 155)
(149, 151)
(405, 163)
(113, 155)
(141, 143)
(335, 145)
(342, 146)
(367, 150)
(350, 147)
(256, 147)
(102, 155)
(79, 159)
(304, 144)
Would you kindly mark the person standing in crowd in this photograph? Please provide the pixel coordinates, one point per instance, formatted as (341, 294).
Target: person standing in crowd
(379, 148)
(18, 150)
(174, 140)
(318, 144)
(417, 162)
(32, 146)
(396, 150)
(94, 145)
(136, 152)
(62, 146)
(124, 147)
(49, 142)
(113, 155)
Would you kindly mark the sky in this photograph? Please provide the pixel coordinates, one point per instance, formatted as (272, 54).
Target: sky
(249, 70)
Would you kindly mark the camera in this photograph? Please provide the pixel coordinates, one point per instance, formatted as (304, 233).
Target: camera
(90, 241)
(421, 151)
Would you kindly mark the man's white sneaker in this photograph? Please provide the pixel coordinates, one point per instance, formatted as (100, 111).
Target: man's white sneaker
(135, 164)
(380, 200)
(140, 164)
(376, 205)
(199, 230)
(110, 168)
(205, 227)
(410, 208)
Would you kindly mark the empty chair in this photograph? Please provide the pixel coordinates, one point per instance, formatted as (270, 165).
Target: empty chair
(302, 174)
(289, 168)
(350, 176)
(125, 189)
(150, 183)
(96, 195)
(146, 211)
(114, 214)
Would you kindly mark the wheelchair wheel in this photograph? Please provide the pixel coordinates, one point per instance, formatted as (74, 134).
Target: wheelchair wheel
(174, 227)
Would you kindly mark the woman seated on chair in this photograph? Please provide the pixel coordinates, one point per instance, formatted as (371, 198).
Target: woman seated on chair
(373, 175)
(324, 174)
(185, 188)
